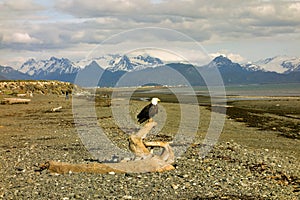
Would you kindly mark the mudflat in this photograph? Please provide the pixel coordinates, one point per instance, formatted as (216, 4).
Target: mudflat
(256, 156)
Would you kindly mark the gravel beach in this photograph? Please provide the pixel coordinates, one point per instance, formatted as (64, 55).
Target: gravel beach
(248, 162)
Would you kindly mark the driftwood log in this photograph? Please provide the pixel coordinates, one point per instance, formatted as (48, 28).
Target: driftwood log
(144, 161)
(15, 101)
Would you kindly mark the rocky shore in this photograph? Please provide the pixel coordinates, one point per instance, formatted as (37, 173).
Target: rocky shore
(37, 87)
(239, 166)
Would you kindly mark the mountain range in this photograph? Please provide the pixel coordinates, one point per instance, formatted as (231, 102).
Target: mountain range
(124, 70)
(8, 73)
(117, 62)
(279, 64)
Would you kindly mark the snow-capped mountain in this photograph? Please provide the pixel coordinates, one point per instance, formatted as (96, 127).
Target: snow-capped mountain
(221, 61)
(117, 62)
(44, 67)
(135, 63)
(121, 64)
(103, 61)
(143, 67)
(252, 67)
(11, 74)
(279, 64)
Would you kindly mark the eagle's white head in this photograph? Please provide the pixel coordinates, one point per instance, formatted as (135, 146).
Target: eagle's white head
(155, 100)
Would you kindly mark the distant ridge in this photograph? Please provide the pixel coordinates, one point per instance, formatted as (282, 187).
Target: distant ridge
(9, 73)
(143, 69)
(279, 64)
(53, 69)
(234, 74)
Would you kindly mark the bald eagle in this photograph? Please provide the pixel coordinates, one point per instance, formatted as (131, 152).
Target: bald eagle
(148, 111)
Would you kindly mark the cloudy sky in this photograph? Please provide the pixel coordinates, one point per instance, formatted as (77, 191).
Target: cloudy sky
(242, 30)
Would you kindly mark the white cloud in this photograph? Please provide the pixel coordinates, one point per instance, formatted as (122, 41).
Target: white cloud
(228, 19)
(61, 25)
(19, 10)
(20, 38)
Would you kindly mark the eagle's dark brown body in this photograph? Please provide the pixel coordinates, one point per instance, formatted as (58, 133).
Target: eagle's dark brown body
(147, 112)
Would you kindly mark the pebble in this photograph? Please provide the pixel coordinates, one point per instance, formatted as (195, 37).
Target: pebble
(242, 173)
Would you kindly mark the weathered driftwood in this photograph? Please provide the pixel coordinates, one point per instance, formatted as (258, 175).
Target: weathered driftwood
(136, 144)
(145, 161)
(56, 109)
(21, 95)
(137, 166)
(15, 101)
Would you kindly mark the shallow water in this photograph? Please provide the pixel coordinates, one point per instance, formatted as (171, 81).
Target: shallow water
(234, 92)
(291, 89)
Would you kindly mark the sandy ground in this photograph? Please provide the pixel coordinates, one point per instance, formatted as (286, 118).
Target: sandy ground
(31, 134)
